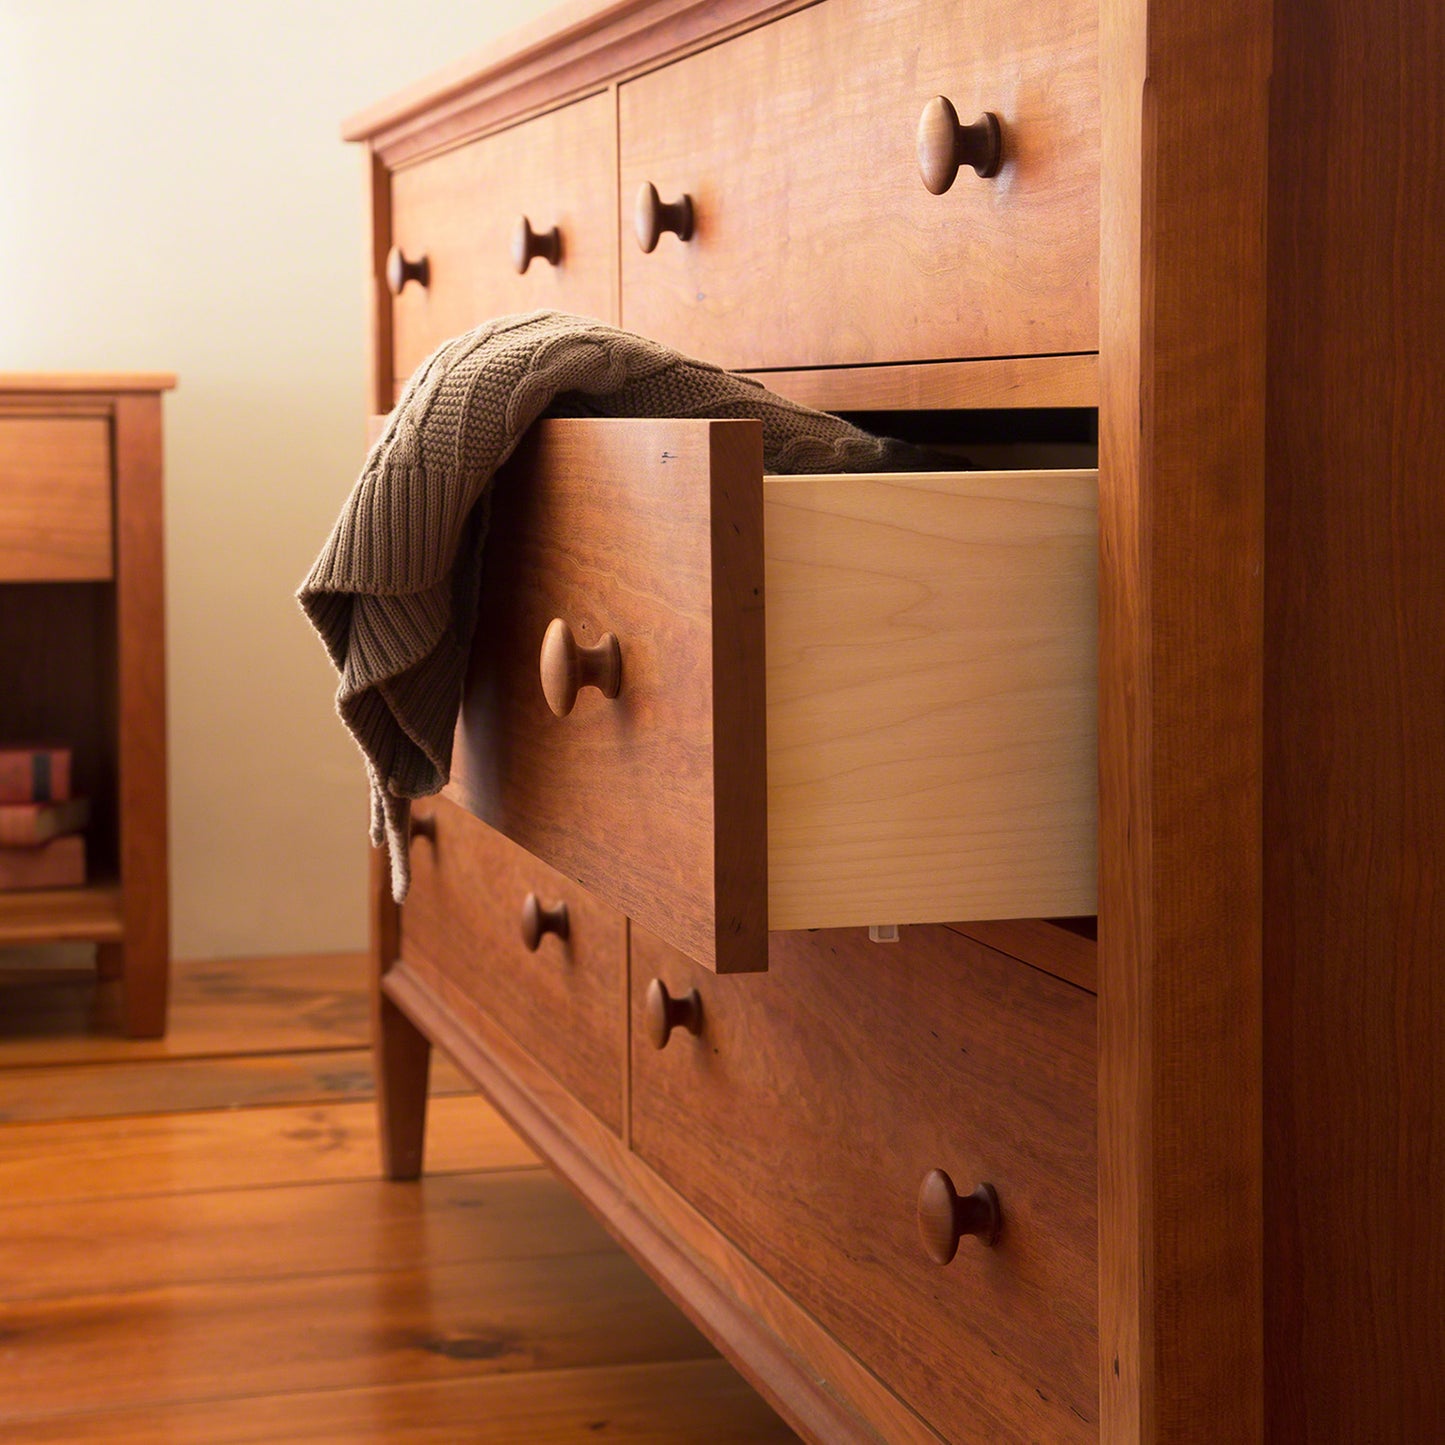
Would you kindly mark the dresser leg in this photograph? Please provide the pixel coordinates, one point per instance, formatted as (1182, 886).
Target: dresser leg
(402, 1057)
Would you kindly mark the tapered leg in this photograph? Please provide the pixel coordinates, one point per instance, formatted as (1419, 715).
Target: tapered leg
(402, 1055)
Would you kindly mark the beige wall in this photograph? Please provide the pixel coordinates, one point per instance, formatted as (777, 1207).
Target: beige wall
(174, 196)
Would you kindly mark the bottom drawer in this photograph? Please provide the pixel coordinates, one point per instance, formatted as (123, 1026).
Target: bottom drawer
(812, 1101)
(476, 903)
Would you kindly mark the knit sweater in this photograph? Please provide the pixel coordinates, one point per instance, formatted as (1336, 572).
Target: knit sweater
(394, 591)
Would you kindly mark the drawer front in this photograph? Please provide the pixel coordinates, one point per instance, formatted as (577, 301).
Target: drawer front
(460, 211)
(655, 798)
(466, 924)
(55, 499)
(815, 239)
(806, 1111)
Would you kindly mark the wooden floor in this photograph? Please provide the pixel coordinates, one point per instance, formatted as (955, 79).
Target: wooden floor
(195, 1245)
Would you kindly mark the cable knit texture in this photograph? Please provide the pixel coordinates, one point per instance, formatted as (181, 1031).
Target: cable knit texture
(394, 592)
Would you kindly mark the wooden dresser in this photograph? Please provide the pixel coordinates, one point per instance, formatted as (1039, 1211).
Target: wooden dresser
(82, 657)
(786, 813)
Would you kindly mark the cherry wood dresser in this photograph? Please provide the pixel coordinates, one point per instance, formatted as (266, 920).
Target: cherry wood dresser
(974, 935)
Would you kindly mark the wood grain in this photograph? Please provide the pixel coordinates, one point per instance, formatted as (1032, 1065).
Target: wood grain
(1006, 381)
(1060, 951)
(141, 685)
(55, 500)
(859, 1068)
(1354, 808)
(110, 1245)
(99, 1091)
(799, 156)
(221, 1340)
(172, 1153)
(836, 1401)
(573, 48)
(684, 1402)
(220, 1006)
(459, 210)
(1181, 468)
(654, 800)
(92, 913)
(25, 386)
(564, 1003)
(931, 656)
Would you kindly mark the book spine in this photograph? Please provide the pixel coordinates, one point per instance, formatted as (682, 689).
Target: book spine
(24, 825)
(59, 863)
(34, 775)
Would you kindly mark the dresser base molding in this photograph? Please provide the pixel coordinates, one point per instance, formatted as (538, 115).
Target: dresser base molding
(780, 1349)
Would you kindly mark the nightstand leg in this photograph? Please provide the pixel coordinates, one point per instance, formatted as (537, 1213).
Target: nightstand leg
(109, 960)
(402, 1057)
(145, 978)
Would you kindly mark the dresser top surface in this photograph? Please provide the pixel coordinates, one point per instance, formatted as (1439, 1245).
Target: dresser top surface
(573, 46)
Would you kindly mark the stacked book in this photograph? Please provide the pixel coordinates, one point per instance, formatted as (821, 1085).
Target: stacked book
(41, 843)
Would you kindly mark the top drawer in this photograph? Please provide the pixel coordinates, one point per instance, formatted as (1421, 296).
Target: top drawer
(816, 242)
(460, 213)
(55, 502)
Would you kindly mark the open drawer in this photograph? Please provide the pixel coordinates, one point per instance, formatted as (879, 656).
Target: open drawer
(905, 734)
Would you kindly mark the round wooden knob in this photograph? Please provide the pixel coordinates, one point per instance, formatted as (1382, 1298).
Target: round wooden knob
(654, 216)
(944, 145)
(528, 245)
(539, 919)
(568, 667)
(944, 1217)
(399, 271)
(424, 825)
(665, 1013)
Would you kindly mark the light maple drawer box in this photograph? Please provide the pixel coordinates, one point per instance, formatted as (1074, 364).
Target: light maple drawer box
(493, 929)
(55, 499)
(725, 703)
(813, 240)
(517, 221)
(803, 1112)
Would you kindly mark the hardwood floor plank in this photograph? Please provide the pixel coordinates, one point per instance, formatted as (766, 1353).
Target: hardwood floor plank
(196, 1244)
(248, 1148)
(232, 1340)
(152, 1086)
(99, 1246)
(687, 1402)
(264, 1005)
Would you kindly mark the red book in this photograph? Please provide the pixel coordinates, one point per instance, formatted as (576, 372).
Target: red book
(24, 825)
(34, 775)
(60, 863)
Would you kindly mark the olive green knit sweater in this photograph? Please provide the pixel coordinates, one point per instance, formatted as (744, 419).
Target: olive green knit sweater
(394, 592)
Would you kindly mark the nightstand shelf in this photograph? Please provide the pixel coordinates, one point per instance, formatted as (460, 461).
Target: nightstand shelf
(93, 914)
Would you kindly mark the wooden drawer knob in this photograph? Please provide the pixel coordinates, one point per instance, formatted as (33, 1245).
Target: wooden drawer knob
(665, 1013)
(424, 825)
(654, 216)
(568, 667)
(539, 919)
(944, 1217)
(399, 271)
(528, 245)
(944, 145)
